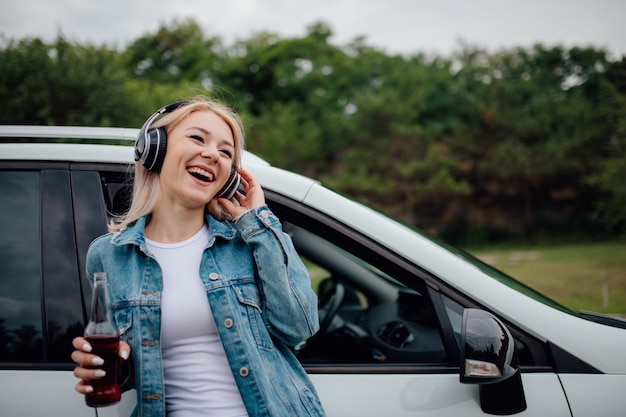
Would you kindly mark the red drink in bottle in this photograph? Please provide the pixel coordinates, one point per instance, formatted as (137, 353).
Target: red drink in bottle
(106, 390)
(101, 332)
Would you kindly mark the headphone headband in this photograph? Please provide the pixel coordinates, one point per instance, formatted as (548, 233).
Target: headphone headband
(165, 109)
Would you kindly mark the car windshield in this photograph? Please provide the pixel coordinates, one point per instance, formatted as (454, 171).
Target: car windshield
(510, 281)
(492, 272)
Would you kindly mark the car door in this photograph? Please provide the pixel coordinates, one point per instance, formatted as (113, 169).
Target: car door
(393, 347)
(41, 308)
(49, 212)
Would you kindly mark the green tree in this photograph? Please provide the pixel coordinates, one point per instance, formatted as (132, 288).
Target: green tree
(294, 91)
(534, 131)
(62, 83)
(404, 116)
(609, 174)
(177, 51)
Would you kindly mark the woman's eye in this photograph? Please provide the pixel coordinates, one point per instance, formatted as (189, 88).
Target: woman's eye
(227, 153)
(196, 137)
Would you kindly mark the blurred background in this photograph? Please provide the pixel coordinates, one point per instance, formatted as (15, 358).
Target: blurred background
(496, 126)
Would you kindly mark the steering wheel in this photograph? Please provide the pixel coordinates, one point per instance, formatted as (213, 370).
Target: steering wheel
(331, 295)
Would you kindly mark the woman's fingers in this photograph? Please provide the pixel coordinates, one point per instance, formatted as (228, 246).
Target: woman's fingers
(83, 358)
(87, 374)
(88, 363)
(83, 387)
(80, 343)
(124, 350)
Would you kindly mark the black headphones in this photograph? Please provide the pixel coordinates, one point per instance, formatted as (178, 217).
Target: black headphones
(151, 144)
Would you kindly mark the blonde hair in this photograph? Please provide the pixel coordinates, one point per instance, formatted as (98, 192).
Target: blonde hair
(146, 192)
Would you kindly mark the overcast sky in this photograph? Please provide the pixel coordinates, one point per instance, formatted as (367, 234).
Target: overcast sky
(397, 26)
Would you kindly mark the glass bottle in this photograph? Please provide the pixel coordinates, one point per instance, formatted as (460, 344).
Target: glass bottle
(103, 336)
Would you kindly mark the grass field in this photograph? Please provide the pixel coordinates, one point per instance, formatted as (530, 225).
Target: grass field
(589, 276)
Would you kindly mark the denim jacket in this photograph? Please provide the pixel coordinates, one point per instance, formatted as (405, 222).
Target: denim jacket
(260, 295)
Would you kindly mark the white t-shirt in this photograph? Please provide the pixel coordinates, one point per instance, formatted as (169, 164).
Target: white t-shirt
(197, 376)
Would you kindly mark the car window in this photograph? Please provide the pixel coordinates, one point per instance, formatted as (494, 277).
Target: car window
(454, 311)
(367, 316)
(20, 298)
(117, 190)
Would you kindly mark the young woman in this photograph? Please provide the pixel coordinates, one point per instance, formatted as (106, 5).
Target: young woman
(207, 291)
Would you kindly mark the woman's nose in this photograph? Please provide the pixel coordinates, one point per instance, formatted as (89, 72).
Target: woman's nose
(210, 152)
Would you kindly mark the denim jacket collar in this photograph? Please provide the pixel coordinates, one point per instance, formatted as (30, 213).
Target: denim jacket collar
(134, 234)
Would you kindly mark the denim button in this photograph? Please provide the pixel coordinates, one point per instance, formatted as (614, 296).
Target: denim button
(265, 214)
(213, 276)
(244, 371)
(228, 323)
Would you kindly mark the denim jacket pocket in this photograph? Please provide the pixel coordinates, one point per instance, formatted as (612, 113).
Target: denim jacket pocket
(124, 321)
(311, 402)
(250, 302)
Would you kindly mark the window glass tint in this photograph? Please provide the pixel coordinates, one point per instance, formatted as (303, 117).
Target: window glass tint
(366, 315)
(454, 311)
(20, 304)
(316, 273)
(117, 188)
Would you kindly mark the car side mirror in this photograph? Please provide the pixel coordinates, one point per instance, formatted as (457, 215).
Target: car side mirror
(489, 358)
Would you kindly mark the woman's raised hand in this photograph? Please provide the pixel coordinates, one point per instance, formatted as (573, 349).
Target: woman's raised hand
(241, 203)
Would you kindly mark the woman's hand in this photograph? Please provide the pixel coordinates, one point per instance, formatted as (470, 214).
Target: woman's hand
(84, 359)
(253, 198)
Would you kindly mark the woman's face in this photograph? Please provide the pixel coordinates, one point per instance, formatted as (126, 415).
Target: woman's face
(198, 159)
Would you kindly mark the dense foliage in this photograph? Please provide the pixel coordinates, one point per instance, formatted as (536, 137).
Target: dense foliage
(475, 147)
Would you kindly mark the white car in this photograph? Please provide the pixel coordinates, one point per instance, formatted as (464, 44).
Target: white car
(410, 326)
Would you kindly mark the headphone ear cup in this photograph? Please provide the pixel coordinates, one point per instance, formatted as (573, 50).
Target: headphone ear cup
(153, 152)
(151, 142)
(232, 184)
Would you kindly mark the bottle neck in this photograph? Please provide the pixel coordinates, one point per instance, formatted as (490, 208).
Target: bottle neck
(101, 320)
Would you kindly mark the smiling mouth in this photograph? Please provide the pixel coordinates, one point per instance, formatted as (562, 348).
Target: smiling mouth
(201, 174)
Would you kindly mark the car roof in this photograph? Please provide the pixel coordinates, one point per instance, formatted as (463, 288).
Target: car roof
(114, 145)
(77, 152)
